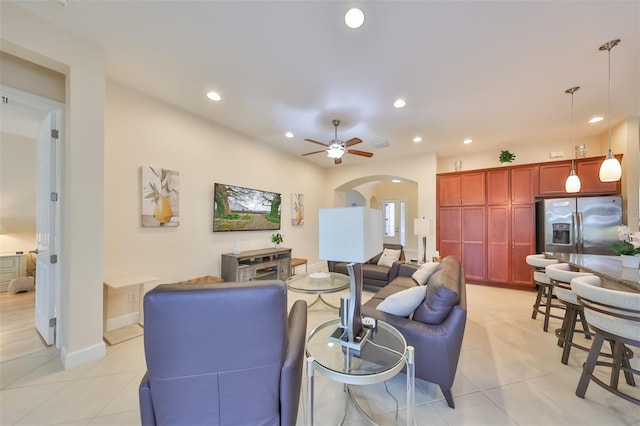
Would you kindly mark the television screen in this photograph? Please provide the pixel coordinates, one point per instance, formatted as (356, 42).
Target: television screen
(244, 209)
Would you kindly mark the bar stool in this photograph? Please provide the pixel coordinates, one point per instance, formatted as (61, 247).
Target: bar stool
(538, 262)
(561, 275)
(614, 316)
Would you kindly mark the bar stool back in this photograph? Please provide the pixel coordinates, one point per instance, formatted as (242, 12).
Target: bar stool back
(561, 275)
(538, 263)
(614, 316)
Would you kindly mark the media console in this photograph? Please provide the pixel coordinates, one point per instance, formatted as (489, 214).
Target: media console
(262, 264)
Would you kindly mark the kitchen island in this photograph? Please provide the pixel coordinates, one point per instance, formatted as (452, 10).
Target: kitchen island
(608, 268)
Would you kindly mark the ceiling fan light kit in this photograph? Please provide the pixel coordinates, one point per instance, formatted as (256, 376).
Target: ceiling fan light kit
(610, 170)
(337, 148)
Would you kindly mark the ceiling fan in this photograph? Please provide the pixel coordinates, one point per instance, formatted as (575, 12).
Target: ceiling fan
(337, 148)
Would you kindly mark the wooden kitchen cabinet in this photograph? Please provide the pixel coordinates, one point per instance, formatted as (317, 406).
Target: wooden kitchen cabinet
(513, 185)
(510, 238)
(552, 177)
(461, 232)
(588, 171)
(461, 189)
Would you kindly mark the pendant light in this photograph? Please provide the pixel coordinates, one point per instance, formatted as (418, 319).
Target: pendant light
(610, 170)
(572, 184)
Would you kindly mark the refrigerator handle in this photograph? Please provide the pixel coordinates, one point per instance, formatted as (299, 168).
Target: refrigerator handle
(578, 232)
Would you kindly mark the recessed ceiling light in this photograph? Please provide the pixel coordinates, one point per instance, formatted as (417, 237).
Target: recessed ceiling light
(214, 96)
(399, 103)
(417, 139)
(467, 141)
(288, 135)
(354, 18)
(596, 120)
(396, 180)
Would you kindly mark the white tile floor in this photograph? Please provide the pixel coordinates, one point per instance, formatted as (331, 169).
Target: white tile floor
(509, 374)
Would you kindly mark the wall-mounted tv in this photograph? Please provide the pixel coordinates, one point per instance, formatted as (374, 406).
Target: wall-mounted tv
(244, 209)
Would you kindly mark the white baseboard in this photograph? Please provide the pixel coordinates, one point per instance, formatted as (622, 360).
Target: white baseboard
(122, 321)
(75, 358)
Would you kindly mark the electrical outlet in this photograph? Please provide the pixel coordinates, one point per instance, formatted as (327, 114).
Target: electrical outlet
(133, 296)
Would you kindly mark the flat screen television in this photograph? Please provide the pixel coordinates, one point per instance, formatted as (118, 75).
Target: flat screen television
(245, 209)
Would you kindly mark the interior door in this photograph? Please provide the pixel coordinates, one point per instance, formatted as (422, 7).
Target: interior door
(47, 225)
(394, 221)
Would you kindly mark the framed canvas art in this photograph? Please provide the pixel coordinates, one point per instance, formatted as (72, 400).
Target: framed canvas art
(160, 197)
(297, 209)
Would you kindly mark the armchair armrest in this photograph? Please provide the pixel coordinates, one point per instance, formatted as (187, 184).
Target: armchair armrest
(291, 374)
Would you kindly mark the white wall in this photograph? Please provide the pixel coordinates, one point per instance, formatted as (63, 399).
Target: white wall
(141, 131)
(80, 259)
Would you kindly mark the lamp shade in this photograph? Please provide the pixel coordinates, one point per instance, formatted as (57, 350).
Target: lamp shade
(610, 169)
(350, 234)
(572, 184)
(421, 226)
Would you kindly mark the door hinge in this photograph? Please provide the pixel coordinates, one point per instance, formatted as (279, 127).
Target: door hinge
(53, 258)
(54, 196)
(54, 134)
(53, 322)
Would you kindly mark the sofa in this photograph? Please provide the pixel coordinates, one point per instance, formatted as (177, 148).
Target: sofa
(436, 327)
(372, 273)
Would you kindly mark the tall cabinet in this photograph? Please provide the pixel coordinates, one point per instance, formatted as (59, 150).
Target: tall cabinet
(461, 220)
(510, 224)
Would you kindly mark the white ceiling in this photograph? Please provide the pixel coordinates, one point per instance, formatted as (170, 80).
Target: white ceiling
(495, 72)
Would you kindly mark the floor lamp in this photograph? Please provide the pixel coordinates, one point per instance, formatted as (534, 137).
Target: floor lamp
(421, 227)
(351, 234)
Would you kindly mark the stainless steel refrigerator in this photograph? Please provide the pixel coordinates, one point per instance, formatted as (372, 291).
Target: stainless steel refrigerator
(578, 224)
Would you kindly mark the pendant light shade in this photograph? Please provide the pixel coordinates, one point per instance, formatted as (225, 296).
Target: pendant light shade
(610, 170)
(572, 184)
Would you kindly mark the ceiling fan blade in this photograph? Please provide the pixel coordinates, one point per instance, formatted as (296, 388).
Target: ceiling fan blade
(319, 143)
(337, 161)
(352, 141)
(362, 153)
(314, 152)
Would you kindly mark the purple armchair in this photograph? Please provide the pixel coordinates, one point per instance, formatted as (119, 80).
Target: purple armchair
(222, 354)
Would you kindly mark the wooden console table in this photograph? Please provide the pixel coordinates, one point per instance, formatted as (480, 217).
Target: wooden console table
(122, 334)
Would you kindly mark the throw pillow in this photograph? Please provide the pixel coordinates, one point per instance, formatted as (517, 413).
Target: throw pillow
(424, 272)
(388, 257)
(437, 305)
(404, 302)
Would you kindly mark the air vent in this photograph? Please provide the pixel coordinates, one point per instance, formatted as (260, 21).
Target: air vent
(380, 144)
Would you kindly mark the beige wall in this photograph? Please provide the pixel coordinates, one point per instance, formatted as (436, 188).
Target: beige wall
(143, 132)
(81, 199)
(29, 77)
(17, 193)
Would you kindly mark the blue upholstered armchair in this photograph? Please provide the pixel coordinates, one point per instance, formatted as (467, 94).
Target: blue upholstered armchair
(222, 354)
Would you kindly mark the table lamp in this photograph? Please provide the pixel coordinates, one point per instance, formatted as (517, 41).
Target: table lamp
(421, 227)
(351, 234)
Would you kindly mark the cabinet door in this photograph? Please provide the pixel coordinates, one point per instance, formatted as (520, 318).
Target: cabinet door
(498, 244)
(588, 171)
(523, 236)
(498, 187)
(472, 188)
(449, 190)
(552, 178)
(473, 242)
(449, 232)
(523, 185)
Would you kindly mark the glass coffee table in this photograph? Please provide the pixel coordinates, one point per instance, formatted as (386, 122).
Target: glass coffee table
(382, 356)
(318, 283)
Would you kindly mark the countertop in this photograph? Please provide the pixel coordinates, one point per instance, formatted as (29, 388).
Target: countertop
(609, 268)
